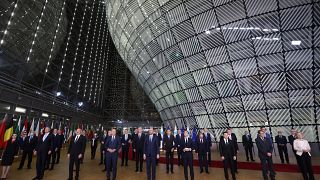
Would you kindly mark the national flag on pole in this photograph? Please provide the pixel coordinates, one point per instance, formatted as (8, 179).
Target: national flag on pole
(31, 131)
(18, 127)
(51, 124)
(25, 124)
(9, 130)
(3, 130)
(60, 125)
(175, 131)
(37, 128)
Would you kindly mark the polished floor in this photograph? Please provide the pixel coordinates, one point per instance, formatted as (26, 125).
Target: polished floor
(90, 170)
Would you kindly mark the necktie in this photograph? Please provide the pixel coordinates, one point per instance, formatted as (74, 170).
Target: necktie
(227, 141)
(93, 142)
(150, 138)
(76, 139)
(186, 140)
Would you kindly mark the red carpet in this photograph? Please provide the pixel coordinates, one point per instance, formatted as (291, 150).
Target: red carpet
(244, 165)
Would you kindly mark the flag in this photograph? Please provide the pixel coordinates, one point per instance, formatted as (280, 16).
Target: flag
(60, 125)
(37, 128)
(31, 131)
(51, 124)
(175, 131)
(3, 129)
(9, 130)
(18, 126)
(25, 124)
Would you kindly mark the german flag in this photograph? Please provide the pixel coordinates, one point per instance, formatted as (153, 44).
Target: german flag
(9, 130)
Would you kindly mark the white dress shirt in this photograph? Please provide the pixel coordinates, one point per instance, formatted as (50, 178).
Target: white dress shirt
(299, 145)
(45, 136)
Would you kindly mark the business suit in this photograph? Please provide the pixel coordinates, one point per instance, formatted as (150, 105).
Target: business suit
(159, 137)
(113, 143)
(138, 146)
(61, 138)
(187, 157)
(208, 139)
(248, 146)
(93, 145)
(264, 146)
(76, 148)
(168, 145)
(234, 139)
(291, 139)
(202, 150)
(29, 144)
(151, 150)
(228, 151)
(133, 153)
(179, 150)
(43, 147)
(102, 155)
(282, 147)
(125, 148)
(84, 148)
(52, 156)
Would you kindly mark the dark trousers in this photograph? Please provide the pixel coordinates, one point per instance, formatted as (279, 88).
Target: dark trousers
(151, 168)
(139, 160)
(93, 152)
(169, 160)
(209, 156)
(133, 154)
(203, 161)
(180, 161)
(74, 160)
(124, 159)
(283, 150)
(23, 158)
(229, 162)
(248, 151)
(188, 161)
(41, 163)
(58, 155)
(53, 159)
(111, 162)
(102, 157)
(304, 162)
(267, 164)
(48, 160)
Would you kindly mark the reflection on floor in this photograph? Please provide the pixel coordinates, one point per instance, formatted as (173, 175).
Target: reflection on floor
(90, 170)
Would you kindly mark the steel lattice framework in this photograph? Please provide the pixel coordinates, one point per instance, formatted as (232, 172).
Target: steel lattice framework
(224, 63)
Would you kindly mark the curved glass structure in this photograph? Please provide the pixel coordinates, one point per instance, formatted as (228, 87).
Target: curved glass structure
(225, 63)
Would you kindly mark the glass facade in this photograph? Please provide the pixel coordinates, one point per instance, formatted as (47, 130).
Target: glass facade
(225, 63)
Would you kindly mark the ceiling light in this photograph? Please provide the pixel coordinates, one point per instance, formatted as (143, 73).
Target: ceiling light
(20, 110)
(45, 115)
(58, 94)
(208, 32)
(296, 43)
(80, 104)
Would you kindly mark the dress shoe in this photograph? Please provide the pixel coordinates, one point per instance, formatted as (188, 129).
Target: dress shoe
(104, 170)
(29, 167)
(136, 170)
(100, 163)
(207, 172)
(201, 171)
(19, 168)
(172, 172)
(35, 178)
(252, 160)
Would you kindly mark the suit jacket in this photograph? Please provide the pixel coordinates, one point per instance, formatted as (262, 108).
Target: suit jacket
(291, 139)
(151, 149)
(46, 145)
(94, 142)
(235, 141)
(168, 143)
(55, 141)
(264, 147)
(159, 138)
(247, 141)
(178, 142)
(30, 144)
(190, 144)
(281, 141)
(61, 137)
(125, 143)
(76, 148)
(227, 150)
(113, 144)
(207, 136)
(103, 139)
(138, 144)
(202, 148)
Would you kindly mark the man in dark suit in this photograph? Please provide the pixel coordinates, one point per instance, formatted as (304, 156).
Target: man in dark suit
(84, 134)
(248, 145)
(234, 141)
(207, 137)
(75, 153)
(55, 146)
(29, 145)
(187, 146)
(265, 154)
(138, 148)
(202, 151)
(291, 139)
(228, 155)
(61, 142)
(94, 145)
(178, 139)
(168, 147)
(43, 149)
(125, 143)
(135, 132)
(151, 152)
(282, 147)
(103, 137)
(112, 146)
(156, 132)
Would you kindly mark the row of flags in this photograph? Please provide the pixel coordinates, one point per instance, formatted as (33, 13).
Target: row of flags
(8, 126)
(192, 135)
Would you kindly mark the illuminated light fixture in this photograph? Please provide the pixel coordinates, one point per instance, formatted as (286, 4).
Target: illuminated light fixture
(45, 115)
(7, 107)
(80, 104)
(148, 72)
(275, 29)
(58, 94)
(208, 32)
(265, 30)
(276, 39)
(296, 43)
(20, 110)
(1, 42)
(38, 92)
(258, 37)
